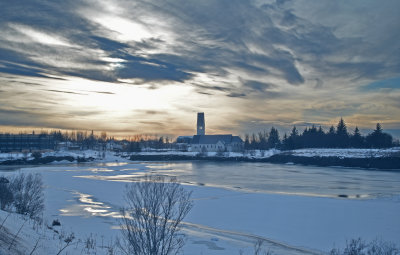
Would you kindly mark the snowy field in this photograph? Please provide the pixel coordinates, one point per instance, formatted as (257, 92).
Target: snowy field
(293, 209)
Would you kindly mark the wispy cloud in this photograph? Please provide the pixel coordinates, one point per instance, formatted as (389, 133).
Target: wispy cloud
(237, 58)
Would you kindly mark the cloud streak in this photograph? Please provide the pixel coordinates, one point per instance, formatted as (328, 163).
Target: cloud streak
(237, 56)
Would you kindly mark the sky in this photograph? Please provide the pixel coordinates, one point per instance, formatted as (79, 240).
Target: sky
(147, 67)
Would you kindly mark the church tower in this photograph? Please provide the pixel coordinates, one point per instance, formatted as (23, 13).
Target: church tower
(201, 126)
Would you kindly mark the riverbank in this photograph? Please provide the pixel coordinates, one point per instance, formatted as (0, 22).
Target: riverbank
(385, 159)
(46, 160)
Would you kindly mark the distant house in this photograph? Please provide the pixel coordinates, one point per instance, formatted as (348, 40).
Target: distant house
(210, 143)
(184, 139)
(114, 145)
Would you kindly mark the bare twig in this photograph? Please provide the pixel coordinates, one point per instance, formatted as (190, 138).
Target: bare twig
(68, 242)
(4, 220)
(16, 235)
(67, 245)
(36, 244)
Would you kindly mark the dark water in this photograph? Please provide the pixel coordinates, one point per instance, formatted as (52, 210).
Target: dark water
(285, 179)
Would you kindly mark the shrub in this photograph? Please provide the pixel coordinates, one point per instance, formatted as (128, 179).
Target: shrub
(36, 155)
(28, 194)
(359, 247)
(6, 196)
(56, 223)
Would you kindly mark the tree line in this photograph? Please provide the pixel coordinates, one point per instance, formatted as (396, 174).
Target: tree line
(313, 137)
(91, 140)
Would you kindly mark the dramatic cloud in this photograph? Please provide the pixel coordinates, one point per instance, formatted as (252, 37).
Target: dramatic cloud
(149, 66)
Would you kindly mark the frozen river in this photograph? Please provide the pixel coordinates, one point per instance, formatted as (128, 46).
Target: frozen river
(285, 179)
(294, 209)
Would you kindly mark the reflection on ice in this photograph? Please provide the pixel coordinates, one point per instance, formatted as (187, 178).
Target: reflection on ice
(117, 178)
(335, 182)
(96, 170)
(87, 207)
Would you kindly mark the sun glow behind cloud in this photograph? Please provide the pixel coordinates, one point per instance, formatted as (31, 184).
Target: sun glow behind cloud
(126, 30)
(149, 66)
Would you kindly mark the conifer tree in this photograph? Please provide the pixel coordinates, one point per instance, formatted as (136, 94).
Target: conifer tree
(330, 137)
(356, 140)
(285, 141)
(379, 139)
(247, 142)
(273, 138)
(294, 132)
(294, 139)
(342, 137)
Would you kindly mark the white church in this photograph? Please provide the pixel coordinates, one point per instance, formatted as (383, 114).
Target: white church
(213, 143)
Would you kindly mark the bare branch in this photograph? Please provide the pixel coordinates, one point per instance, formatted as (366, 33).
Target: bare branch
(151, 222)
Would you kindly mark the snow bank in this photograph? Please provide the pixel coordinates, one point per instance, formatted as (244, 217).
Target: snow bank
(345, 153)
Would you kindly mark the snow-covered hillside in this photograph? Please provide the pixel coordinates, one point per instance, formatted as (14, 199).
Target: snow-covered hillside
(20, 235)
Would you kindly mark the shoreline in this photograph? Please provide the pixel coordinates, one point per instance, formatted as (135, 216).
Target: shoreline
(379, 163)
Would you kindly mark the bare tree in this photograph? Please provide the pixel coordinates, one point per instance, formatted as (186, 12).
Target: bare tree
(151, 221)
(360, 247)
(258, 248)
(28, 194)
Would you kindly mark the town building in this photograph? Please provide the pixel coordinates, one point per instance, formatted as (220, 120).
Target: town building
(28, 142)
(205, 143)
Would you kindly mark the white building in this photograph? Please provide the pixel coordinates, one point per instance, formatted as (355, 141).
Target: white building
(204, 143)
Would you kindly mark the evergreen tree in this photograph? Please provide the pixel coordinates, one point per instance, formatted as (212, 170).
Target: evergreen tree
(341, 128)
(309, 137)
(330, 138)
(356, 140)
(331, 131)
(293, 142)
(247, 142)
(342, 137)
(294, 132)
(262, 139)
(320, 138)
(273, 138)
(379, 139)
(253, 143)
(285, 142)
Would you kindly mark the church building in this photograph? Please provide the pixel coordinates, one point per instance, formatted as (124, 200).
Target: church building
(205, 143)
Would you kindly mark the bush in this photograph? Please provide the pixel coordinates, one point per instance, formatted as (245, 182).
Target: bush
(359, 247)
(36, 155)
(28, 198)
(6, 196)
(56, 223)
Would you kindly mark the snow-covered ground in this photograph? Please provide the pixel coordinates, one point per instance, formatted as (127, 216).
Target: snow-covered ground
(346, 153)
(98, 156)
(224, 220)
(108, 156)
(20, 235)
(309, 152)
